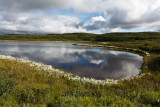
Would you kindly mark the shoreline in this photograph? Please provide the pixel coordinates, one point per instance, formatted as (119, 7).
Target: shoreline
(41, 41)
(115, 48)
(144, 54)
(69, 76)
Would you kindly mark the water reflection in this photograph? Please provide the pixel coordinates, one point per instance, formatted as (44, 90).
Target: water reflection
(84, 61)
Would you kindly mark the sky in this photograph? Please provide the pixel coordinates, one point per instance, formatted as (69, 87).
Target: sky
(90, 16)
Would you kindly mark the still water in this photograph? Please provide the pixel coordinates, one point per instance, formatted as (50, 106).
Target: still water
(91, 62)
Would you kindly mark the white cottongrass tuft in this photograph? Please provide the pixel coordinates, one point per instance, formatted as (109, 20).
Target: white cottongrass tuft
(69, 76)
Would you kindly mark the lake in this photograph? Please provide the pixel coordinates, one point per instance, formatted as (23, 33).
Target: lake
(91, 62)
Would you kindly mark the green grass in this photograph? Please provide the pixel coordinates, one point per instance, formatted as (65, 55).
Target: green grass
(22, 85)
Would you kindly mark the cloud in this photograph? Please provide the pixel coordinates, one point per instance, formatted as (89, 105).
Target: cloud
(28, 5)
(96, 23)
(111, 15)
(128, 14)
(42, 22)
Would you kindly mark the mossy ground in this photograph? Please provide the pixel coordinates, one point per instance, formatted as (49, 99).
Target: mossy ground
(23, 85)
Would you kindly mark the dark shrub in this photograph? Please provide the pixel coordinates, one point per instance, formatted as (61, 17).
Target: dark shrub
(155, 49)
(154, 64)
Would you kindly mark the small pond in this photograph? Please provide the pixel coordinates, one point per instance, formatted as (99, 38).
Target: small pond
(91, 62)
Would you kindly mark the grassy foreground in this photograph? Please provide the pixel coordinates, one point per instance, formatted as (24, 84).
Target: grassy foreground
(23, 85)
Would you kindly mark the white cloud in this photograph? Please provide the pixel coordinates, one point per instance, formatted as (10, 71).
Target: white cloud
(98, 18)
(127, 14)
(114, 15)
(43, 23)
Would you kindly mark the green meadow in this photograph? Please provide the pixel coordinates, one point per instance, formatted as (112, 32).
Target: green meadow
(23, 85)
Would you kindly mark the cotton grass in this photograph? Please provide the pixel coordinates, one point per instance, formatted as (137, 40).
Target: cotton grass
(69, 76)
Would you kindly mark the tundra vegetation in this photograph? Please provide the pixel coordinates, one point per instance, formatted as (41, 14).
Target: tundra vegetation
(25, 85)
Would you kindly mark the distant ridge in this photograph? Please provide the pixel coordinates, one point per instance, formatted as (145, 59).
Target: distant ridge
(18, 32)
(14, 32)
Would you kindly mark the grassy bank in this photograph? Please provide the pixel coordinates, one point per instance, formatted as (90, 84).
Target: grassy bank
(22, 84)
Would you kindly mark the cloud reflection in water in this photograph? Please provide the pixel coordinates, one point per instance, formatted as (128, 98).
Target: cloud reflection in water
(84, 61)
